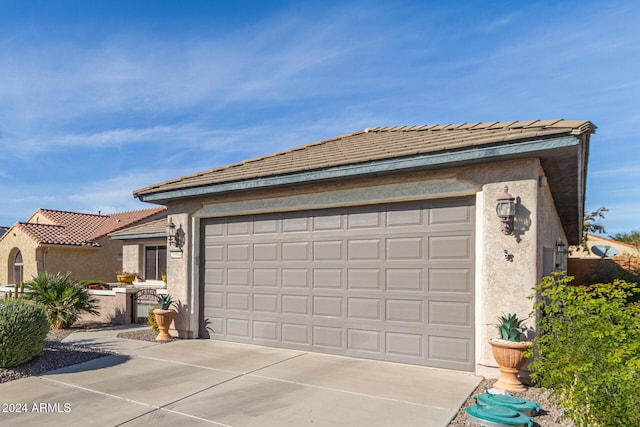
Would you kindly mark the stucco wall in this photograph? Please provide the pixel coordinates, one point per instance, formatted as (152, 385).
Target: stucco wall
(83, 262)
(502, 286)
(11, 242)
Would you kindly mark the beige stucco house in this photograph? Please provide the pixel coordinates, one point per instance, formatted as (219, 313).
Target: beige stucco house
(59, 241)
(383, 243)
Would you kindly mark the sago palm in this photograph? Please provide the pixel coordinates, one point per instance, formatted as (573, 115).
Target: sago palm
(63, 297)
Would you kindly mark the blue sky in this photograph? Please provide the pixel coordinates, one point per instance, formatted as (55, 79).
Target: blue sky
(99, 98)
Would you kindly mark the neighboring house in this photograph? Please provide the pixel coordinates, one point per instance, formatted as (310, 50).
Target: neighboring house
(58, 241)
(144, 248)
(3, 230)
(604, 254)
(603, 247)
(383, 243)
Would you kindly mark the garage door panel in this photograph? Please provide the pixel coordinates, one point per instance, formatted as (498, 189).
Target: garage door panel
(404, 344)
(328, 222)
(328, 278)
(267, 277)
(390, 282)
(364, 249)
(364, 308)
(263, 330)
(239, 227)
(238, 252)
(296, 278)
(265, 303)
(364, 279)
(405, 216)
(450, 212)
(450, 248)
(405, 249)
(214, 276)
(296, 251)
(299, 334)
(363, 218)
(327, 336)
(296, 304)
(450, 280)
(265, 252)
(331, 250)
(325, 306)
(447, 313)
(405, 310)
(238, 276)
(364, 340)
(405, 279)
(295, 224)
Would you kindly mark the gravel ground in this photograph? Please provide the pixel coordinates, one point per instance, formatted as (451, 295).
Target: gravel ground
(56, 355)
(550, 413)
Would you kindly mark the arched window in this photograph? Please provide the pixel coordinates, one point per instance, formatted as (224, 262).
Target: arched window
(18, 268)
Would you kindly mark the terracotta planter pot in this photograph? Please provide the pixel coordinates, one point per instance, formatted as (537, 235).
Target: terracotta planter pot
(164, 319)
(508, 355)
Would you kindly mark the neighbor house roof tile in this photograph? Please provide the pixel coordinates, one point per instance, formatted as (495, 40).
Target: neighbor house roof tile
(374, 144)
(79, 229)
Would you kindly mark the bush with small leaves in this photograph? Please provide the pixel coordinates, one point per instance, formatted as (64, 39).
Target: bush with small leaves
(151, 318)
(588, 349)
(23, 329)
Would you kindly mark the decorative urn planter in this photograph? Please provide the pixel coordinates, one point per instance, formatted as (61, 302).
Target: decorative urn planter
(163, 319)
(164, 316)
(126, 278)
(508, 351)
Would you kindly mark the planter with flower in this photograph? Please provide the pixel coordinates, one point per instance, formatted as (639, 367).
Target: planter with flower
(164, 316)
(126, 277)
(508, 351)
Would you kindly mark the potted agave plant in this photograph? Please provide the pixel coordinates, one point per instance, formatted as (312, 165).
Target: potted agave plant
(508, 351)
(164, 316)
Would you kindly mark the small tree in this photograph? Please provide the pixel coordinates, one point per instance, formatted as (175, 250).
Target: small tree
(592, 224)
(632, 238)
(63, 298)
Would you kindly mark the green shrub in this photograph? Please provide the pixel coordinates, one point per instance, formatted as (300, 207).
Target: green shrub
(588, 349)
(23, 329)
(63, 298)
(151, 319)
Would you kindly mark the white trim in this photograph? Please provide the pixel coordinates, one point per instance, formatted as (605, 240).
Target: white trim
(479, 306)
(194, 248)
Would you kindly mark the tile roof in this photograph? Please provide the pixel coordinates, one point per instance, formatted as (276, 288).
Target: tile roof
(157, 226)
(79, 229)
(375, 144)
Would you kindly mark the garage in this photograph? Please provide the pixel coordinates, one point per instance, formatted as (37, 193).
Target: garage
(391, 282)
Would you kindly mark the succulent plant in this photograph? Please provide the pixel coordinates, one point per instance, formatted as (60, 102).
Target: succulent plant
(510, 327)
(165, 301)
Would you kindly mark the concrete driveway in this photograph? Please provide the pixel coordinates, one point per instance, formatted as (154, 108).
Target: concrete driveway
(206, 382)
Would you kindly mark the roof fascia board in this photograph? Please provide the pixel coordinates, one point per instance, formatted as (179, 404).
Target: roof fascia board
(455, 158)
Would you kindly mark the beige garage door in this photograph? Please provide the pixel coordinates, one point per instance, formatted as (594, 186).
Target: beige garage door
(390, 282)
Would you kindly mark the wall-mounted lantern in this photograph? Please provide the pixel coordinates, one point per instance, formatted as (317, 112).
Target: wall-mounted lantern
(173, 235)
(561, 247)
(506, 210)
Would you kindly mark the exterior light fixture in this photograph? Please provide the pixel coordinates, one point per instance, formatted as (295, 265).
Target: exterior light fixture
(561, 247)
(506, 210)
(171, 233)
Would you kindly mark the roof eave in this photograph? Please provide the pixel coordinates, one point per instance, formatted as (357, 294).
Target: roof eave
(540, 148)
(423, 161)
